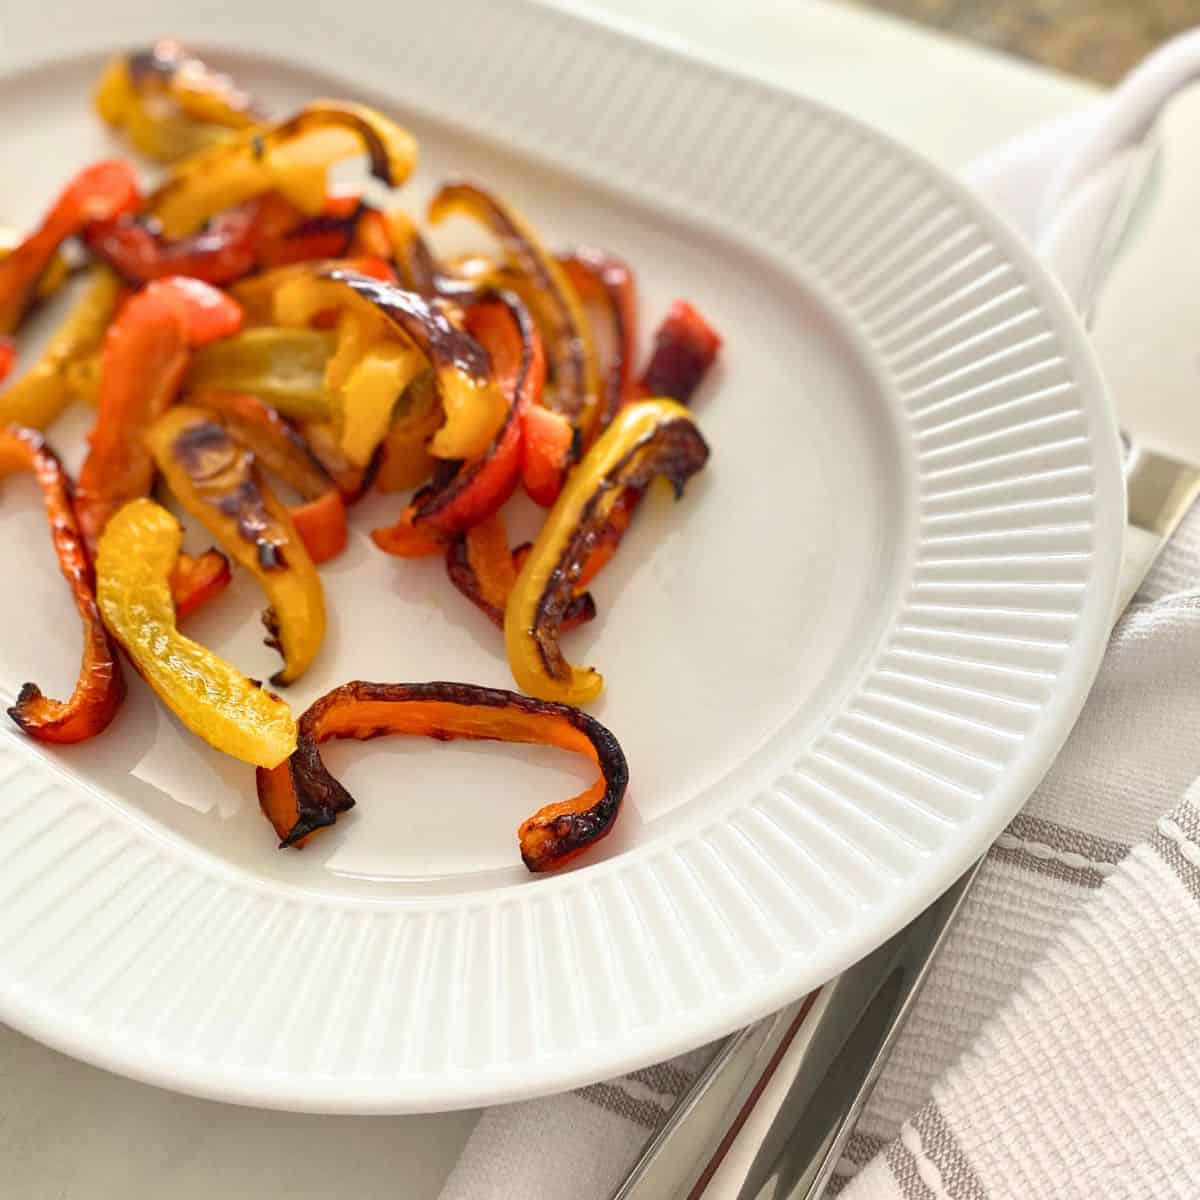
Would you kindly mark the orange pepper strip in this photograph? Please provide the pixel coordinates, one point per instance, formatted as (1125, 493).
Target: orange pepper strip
(143, 361)
(300, 796)
(483, 568)
(100, 688)
(98, 193)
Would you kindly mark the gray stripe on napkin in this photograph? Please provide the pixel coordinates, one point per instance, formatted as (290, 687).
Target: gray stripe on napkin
(663, 1077)
(1177, 843)
(613, 1098)
(940, 1146)
(1068, 855)
(906, 1174)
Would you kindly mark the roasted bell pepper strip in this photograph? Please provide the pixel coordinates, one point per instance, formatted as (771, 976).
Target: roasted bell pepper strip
(351, 482)
(473, 405)
(555, 303)
(144, 358)
(406, 461)
(283, 366)
(685, 347)
(215, 479)
(321, 519)
(8, 357)
(40, 395)
(53, 277)
(256, 293)
(301, 796)
(480, 486)
(483, 568)
(209, 695)
(292, 157)
(266, 232)
(647, 439)
(548, 447)
(169, 103)
(98, 193)
(195, 581)
(100, 686)
(603, 279)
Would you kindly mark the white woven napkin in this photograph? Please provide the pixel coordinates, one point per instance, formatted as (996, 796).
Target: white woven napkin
(1053, 1052)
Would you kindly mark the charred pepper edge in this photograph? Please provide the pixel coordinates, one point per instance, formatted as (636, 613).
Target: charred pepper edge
(100, 686)
(319, 797)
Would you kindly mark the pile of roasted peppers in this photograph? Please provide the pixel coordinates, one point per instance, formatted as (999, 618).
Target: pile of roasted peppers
(266, 347)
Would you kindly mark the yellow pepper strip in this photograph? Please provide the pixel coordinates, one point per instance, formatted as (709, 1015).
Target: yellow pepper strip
(169, 103)
(292, 157)
(474, 407)
(407, 462)
(285, 367)
(37, 398)
(647, 439)
(366, 400)
(210, 696)
(216, 480)
(552, 298)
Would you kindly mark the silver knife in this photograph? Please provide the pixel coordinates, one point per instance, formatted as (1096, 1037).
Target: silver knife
(818, 1060)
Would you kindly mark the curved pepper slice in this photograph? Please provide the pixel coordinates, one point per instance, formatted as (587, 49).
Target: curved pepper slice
(473, 406)
(284, 366)
(266, 232)
(301, 796)
(406, 461)
(41, 394)
(685, 347)
(169, 103)
(351, 482)
(480, 486)
(484, 569)
(8, 357)
(555, 303)
(144, 358)
(603, 279)
(195, 581)
(209, 695)
(98, 193)
(216, 480)
(100, 688)
(292, 157)
(280, 450)
(647, 439)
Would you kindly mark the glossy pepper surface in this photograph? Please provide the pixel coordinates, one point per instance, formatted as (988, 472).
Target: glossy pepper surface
(216, 480)
(647, 439)
(210, 696)
(100, 686)
(301, 797)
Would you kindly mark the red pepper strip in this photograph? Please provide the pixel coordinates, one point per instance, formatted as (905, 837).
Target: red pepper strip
(268, 231)
(483, 568)
(300, 796)
(547, 450)
(604, 279)
(98, 193)
(8, 356)
(100, 687)
(195, 581)
(143, 359)
(480, 486)
(281, 451)
(685, 346)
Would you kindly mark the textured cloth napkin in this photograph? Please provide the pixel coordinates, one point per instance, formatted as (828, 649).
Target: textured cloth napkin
(1053, 1052)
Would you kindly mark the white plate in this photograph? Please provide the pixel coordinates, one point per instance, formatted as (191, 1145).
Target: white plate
(837, 667)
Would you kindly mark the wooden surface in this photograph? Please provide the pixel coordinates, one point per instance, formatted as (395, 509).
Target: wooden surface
(1096, 39)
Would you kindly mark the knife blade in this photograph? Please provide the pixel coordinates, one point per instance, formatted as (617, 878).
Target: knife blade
(1137, 297)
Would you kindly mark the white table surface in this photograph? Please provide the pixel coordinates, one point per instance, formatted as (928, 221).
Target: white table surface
(73, 1132)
